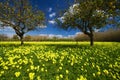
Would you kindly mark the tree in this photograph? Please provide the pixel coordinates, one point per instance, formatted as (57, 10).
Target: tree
(15, 37)
(3, 37)
(21, 16)
(27, 38)
(88, 15)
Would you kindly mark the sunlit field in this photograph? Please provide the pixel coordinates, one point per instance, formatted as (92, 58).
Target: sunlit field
(59, 61)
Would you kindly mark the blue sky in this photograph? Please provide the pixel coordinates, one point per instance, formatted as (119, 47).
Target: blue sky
(51, 9)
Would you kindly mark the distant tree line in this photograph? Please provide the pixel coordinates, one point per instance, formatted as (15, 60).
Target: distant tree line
(110, 35)
(4, 37)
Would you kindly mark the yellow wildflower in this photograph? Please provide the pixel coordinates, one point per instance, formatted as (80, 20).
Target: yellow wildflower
(94, 74)
(57, 77)
(5, 67)
(67, 71)
(38, 78)
(32, 67)
(61, 76)
(42, 69)
(31, 75)
(105, 71)
(17, 74)
(60, 68)
(110, 66)
(98, 73)
(81, 78)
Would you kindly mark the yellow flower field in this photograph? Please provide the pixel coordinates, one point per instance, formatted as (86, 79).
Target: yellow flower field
(59, 61)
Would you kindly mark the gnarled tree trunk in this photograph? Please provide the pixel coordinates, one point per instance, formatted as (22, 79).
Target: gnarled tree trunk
(91, 36)
(91, 39)
(21, 38)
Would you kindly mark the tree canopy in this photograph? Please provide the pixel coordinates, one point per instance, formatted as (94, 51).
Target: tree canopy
(21, 16)
(88, 15)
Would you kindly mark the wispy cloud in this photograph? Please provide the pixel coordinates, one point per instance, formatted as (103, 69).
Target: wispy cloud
(61, 19)
(71, 36)
(5, 29)
(71, 11)
(52, 35)
(97, 30)
(78, 33)
(52, 15)
(42, 26)
(60, 36)
(52, 22)
(50, 9)
(43, 34)
(8, 31)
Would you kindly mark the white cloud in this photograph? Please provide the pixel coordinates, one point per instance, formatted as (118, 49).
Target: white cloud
(50, 9)
(97, 30)
(8, 31)
(42, 26)
(71, 36)
(78, 33)
(71, 11)
(10, 34)
(51, 35)
(61, 19)
(59, 36)
(54, 35)
(72, 8)
(52, 22)
(52, 15)
(43, 35)
(75, 5)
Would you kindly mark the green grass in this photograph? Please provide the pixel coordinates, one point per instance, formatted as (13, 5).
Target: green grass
(59, 61)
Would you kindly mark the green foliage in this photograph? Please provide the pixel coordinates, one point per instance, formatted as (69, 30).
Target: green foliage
(15, 37)
(20, 15)
(87, 15)
(59, 61)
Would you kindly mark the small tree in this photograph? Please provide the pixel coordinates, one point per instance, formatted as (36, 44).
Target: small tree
(88, 15)
(15, 37)
(3, 37)
(21, 16)
(27, 38)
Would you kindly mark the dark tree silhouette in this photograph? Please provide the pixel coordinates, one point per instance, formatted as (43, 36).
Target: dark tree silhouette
(21, 16)
(88, 15)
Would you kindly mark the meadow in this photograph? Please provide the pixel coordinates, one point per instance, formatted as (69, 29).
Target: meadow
(59, 61)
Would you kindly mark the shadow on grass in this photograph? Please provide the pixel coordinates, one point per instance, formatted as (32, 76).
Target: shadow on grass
(56, 46)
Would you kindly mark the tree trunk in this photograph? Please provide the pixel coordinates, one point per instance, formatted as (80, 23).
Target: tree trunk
(91, 37)
(91, 40)
(21, 39)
